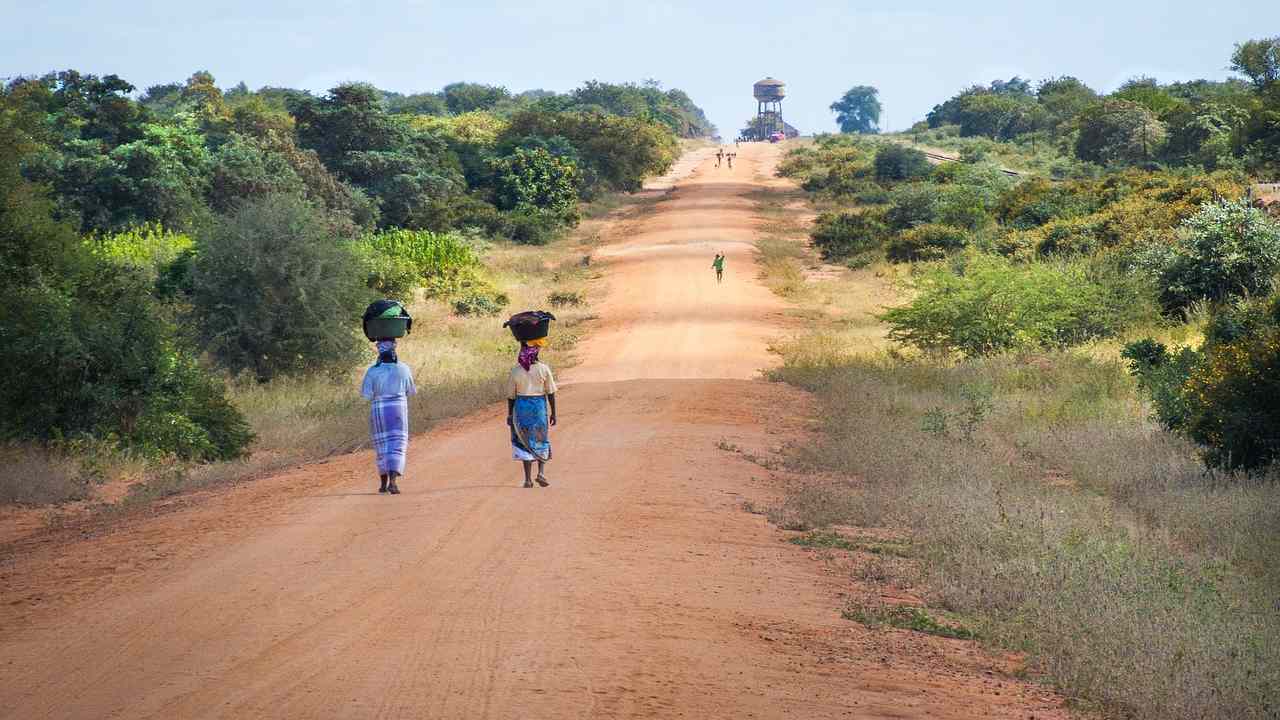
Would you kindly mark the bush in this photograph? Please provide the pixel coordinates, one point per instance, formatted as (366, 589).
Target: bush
(536, 180)
(839, 236)
(275, 292)
(1225, 396)
(898, 162)
(531, 227)
(480, 302)
(1226, 250)
(85, 350)
(926, 242)
(105, 361)
(1036, 201)
(990, 305)
(912, 204)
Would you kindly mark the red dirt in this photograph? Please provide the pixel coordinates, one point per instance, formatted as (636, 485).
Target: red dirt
(636, 586)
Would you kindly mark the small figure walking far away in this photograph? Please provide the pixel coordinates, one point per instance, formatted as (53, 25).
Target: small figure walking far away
(388, 383)
(718, 264)
(719, 156)
(531, 398)
(730, 157)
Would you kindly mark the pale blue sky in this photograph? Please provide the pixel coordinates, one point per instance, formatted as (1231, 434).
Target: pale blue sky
(715, 50)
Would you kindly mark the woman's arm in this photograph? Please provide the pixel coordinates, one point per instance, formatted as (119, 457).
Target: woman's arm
(551, 400)
(511, 408)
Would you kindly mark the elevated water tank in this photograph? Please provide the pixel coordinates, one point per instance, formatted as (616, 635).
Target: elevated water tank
(769, 90)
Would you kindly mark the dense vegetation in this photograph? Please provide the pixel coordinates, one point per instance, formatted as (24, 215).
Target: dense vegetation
(1202, 124)
(155, 245)
(1119, 526)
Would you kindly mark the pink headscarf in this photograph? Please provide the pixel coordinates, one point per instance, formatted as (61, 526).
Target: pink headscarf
(528, 356)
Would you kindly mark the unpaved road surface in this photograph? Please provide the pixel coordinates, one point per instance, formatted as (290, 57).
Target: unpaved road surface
(635, 587)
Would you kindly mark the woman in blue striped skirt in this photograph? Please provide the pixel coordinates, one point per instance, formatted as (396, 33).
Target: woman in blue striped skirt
(388, 385)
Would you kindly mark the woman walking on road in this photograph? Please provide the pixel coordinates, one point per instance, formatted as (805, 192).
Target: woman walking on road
(718, 264)
(531, 405)
(388, 385)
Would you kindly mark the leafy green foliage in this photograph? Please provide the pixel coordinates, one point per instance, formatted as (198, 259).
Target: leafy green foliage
(274, 290)
(930, 241)
(1119, 132)
(616, 153)
(149, 248)
(1259, 60)
(848, 235)
(536, 180)
(401, 261)
(1226, 395)
(408, 172)
(899, 162)
(465, 97)
(1227, 249)
(858, 110)
(672, 108)
(990, 305)
(85, 348)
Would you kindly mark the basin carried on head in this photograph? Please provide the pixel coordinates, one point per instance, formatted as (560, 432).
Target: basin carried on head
(530, 325)
(386, 320)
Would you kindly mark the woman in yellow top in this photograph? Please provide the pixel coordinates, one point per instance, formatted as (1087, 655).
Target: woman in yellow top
(531, 392)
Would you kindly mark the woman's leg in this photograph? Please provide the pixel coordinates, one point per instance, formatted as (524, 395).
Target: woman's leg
(383, 487)
(528, 473)
(392, 487)
(542, 479)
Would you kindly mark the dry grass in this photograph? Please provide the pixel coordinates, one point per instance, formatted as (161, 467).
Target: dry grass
(1044, 509)
(34, 476)
(1060, 522)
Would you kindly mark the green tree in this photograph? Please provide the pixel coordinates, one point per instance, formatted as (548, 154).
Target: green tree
(858, 110)
(534, 179)
(463, 97)
(1258, 60)
(275, 291)
(615, 153)
(84, 346)
(410, 173)
(1119, 132)
(999, 116)
(1227, 249)
(898, 162)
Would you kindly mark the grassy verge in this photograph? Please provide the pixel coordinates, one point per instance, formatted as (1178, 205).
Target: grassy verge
(1043, 508)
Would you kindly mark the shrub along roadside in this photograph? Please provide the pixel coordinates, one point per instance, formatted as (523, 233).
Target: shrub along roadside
(85, 348)
(270, 283)
(1226, 394)
(986, 305)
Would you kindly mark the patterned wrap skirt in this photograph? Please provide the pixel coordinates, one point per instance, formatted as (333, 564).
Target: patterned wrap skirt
(389, 430)
(530, 432)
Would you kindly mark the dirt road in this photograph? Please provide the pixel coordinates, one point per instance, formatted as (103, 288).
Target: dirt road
(636, 586)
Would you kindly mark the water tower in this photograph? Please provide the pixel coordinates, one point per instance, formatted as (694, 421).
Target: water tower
(769, 94)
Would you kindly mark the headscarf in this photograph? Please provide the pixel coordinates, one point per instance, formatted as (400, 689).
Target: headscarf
(386, 351)
(529, 353)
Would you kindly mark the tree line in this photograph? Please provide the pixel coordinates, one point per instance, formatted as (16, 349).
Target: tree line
(153, 245)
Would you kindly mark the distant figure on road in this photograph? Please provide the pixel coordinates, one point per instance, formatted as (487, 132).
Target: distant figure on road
(531, 392)
(730, 157)
(718, 264)
(388, 384)
(719, 156)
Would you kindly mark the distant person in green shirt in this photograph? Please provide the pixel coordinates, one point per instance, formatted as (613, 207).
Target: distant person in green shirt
(718, 264)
